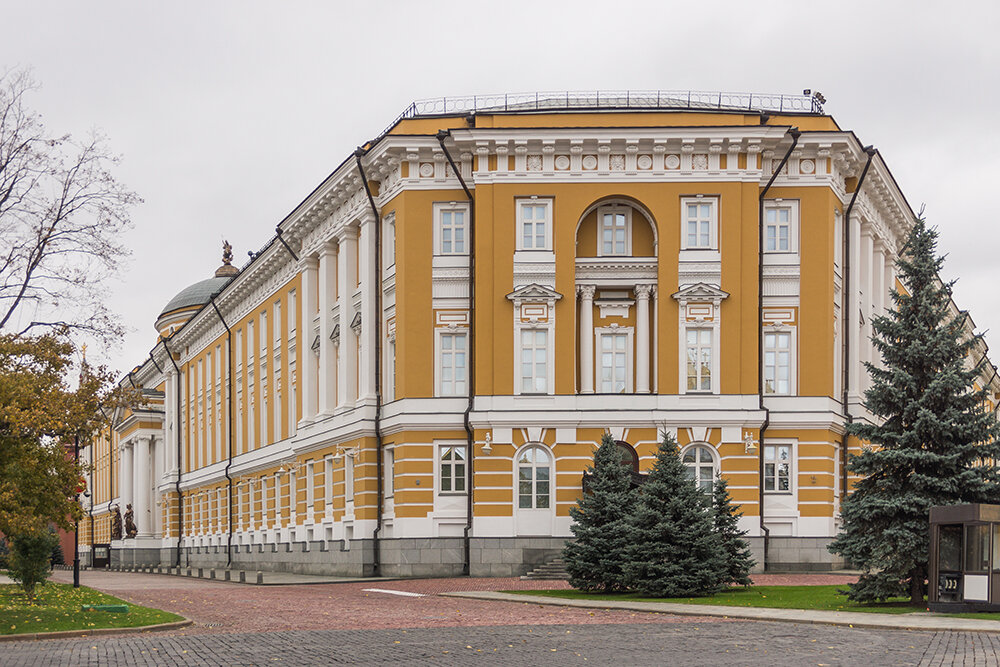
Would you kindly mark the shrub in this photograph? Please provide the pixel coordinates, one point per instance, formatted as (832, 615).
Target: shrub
(29, 559)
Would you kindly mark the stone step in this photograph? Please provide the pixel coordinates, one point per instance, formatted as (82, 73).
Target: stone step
(554, 569)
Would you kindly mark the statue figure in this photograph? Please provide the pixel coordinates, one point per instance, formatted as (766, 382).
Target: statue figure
(227, 270)
(227, 253)
(130, 528)
(116, 524)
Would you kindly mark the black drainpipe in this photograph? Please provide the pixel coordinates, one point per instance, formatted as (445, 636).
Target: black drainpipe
(229, 463)
(846, 307)
(469, 434)
(180, 496)
(277, 230)
(795, 134)
(380, 491)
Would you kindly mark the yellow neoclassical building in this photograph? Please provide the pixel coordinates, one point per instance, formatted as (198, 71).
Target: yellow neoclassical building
(412, 374)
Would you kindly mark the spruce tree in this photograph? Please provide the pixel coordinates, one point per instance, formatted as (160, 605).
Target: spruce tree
(934, 439)
(735, 550)
(675, 550)
(595, 560)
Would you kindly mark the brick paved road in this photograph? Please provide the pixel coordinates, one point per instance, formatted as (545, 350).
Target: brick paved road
(750, 643)
(342, 623)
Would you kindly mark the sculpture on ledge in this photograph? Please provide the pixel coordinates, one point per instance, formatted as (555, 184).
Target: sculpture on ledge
(130, 528)
(116, 524)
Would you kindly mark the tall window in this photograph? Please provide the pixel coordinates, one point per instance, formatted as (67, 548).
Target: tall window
(778, 468)
(453, 231)
(699, 224)
(699, 466)
(614, 231)
(699, 360)
(614, 360)
(453, 469)
(777, 230)
(534, 361)
(452, 368)
(777, 363)
(533, 479)
(534, 226)
(389, 241)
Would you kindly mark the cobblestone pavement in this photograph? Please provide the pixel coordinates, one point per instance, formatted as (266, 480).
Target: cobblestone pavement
(751, 643)
(344, 623)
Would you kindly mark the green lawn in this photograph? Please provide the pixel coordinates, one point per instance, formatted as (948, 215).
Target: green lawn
(780, 597)
(57, 607)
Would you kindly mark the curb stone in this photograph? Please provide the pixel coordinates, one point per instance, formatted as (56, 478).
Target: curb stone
(918, 622)
(66, 634)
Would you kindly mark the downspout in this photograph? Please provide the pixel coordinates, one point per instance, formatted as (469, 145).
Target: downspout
(229, 463)
(379, 485)
(795, 134)
(846, 335)
(277, 230)
(179, 420)
(469, 433)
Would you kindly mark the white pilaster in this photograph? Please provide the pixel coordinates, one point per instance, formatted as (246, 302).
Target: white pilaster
(347, 272)
(866, 290)
(369, 318)
(142, 517)
(309, 370)
(853, 309)
(587, 338)
(125, 480)
(327, 351)
(642, 338)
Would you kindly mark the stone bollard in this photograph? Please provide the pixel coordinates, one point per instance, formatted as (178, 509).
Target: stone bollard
(243, 577)
(260, 577)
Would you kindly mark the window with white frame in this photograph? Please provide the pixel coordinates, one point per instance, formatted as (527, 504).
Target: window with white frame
(349, 478)
(777, 362)
(452, 468)
(781, 226)
(452, 229)
(389, 469)
(778, 468)
(534, 477)
(452, 364)
(615, 231)
(699, 360)
(389, 242)
(614, 362)
(699, 466)
(700, 224)
(534, 224)
(534, 361)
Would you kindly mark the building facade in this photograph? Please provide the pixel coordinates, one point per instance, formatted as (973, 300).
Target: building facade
(412, 375)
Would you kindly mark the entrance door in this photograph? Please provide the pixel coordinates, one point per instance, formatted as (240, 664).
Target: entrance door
(534, 506)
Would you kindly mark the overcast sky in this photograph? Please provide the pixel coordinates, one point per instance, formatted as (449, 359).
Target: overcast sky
(227, 114)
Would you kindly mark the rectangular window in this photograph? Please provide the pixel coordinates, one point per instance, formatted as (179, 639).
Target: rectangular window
(452, 225)
(389, 483)
(614, 231)
(777, 229)
(700, 224)
(777, 363)
(453, 364)
(328, 481)
(534, 361)
(349, 478)
(534, 226)
(453, 469)
(389, 241)
(614, 358)
(699, 360)
(778, 468)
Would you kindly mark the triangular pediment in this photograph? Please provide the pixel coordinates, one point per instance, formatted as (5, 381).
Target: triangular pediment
(700, 292)
(534, 292)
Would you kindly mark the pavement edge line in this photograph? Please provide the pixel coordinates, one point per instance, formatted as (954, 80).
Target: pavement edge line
(76, 634)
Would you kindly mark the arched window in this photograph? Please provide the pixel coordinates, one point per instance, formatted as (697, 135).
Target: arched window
(534, 474)
(629, 455)
(699, 461)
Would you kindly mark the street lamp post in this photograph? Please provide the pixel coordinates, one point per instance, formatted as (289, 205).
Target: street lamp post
(76, 529)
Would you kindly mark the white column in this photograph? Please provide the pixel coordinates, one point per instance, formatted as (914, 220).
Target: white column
(642, 338)
(125, 481)
(587, 338)
(879, 293)
(866, 289)
(369, 318)
(142, 516)
(853, 307)
(308, 370)
(327, 351)
(347, 272)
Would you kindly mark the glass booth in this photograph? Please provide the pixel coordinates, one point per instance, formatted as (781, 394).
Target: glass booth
(964, 562)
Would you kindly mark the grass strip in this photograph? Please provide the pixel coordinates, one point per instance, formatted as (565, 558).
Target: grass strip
(58, 607)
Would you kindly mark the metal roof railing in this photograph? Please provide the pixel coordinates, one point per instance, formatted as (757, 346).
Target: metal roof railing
(615, 99)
